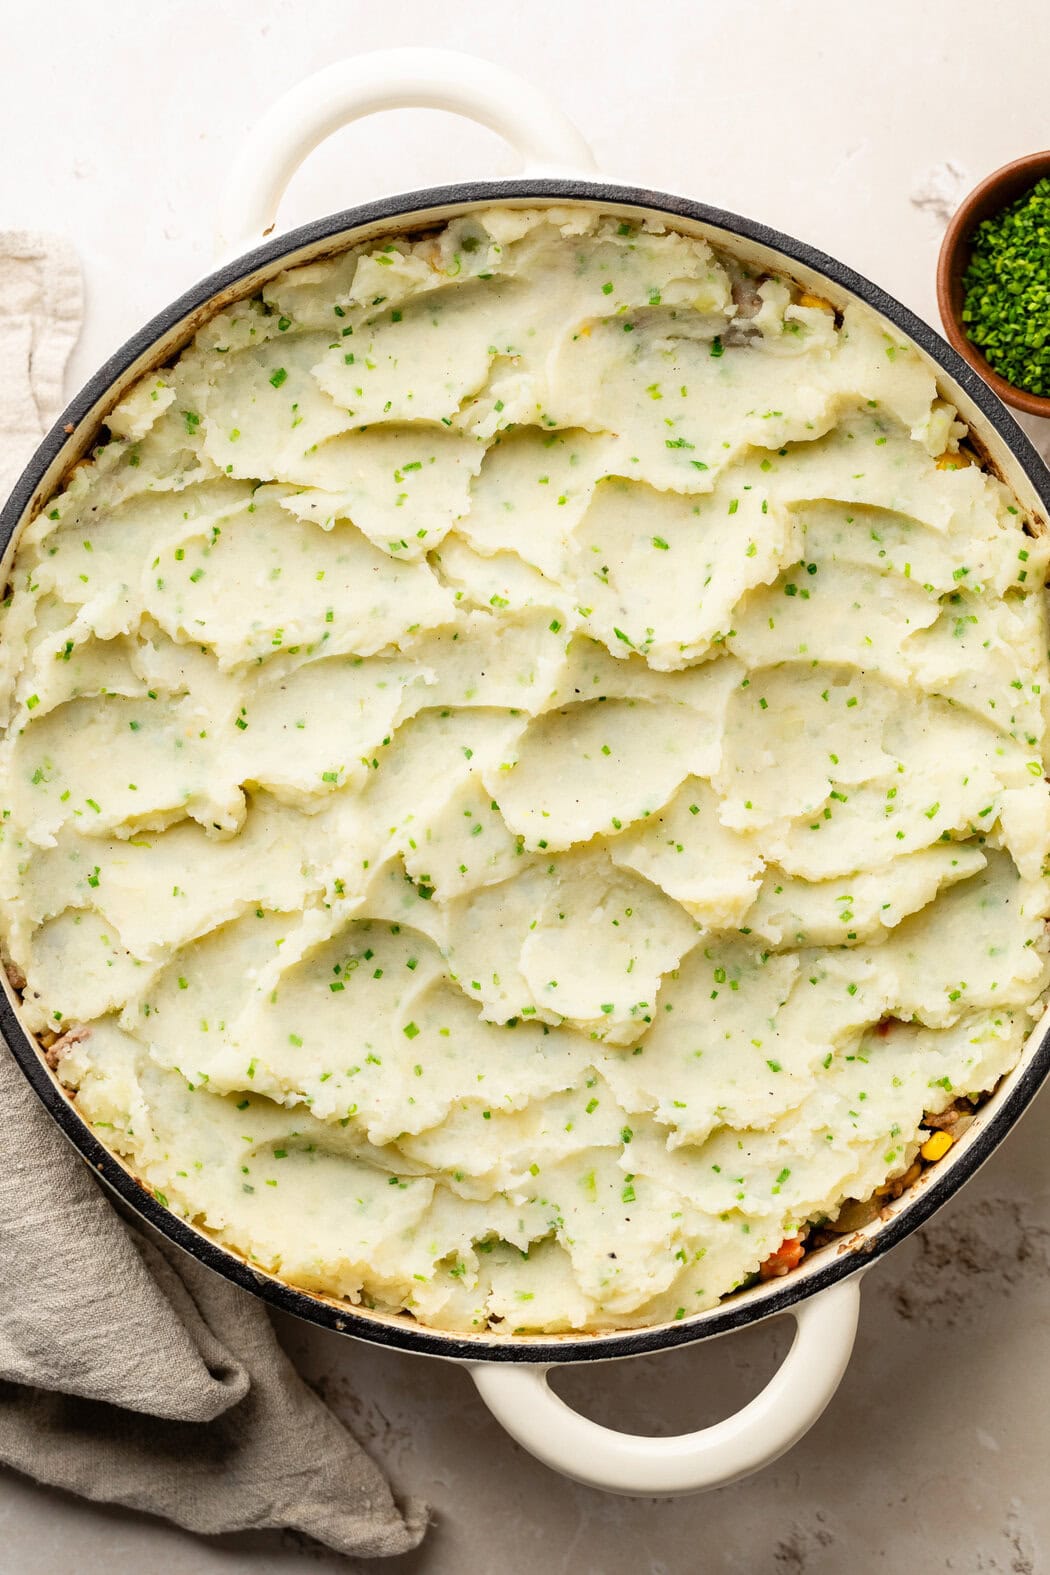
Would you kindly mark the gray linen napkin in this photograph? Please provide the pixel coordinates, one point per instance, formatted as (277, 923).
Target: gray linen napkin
(128, 1372)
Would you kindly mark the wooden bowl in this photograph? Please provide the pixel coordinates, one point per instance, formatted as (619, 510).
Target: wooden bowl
(996, 192)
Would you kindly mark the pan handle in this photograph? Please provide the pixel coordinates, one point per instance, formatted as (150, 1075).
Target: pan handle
(522, 1401)
(546, 140)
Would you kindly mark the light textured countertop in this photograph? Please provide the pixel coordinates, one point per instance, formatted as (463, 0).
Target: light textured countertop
(846, 125)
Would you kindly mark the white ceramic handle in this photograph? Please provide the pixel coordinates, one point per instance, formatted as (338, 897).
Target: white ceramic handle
(521, 1400)
(546, 140)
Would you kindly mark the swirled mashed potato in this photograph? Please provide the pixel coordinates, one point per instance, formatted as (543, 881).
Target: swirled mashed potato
(528, 762)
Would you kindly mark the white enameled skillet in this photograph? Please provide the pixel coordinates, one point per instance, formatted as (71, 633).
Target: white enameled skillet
(822, 1296)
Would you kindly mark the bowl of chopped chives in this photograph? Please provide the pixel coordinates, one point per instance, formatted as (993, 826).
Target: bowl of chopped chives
(993, 282)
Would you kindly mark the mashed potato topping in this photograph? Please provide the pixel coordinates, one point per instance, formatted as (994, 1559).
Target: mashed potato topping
(525, 753)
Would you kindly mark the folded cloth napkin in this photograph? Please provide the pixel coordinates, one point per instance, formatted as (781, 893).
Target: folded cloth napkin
(128, 1372)
(41, 304)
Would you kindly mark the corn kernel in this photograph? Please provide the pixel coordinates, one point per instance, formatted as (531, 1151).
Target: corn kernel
(805, 299)
(936, 1146)
(585, 332)
(957, 461)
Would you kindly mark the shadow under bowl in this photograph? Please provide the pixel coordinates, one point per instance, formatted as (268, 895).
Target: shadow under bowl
(994, 193)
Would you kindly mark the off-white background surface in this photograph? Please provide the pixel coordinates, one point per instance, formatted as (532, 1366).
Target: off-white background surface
(829, 119)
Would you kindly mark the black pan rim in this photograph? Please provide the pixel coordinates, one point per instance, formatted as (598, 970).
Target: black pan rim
(940, 1184)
